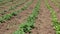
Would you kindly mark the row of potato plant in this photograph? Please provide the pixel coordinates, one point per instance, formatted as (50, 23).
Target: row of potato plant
(56, 3)
(29, 24)
(17, 5)
(4, 1)
(1, 1)
(55, 21)
(8, 16)
(13, 7)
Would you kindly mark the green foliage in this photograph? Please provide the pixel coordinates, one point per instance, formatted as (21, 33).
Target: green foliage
(14, 13)
(24, 8)
(7, 16)
(1, 20)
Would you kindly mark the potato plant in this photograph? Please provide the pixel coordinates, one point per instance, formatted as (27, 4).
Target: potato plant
(29, 24)
(55, 21)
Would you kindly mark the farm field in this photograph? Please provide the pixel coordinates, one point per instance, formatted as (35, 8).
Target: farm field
(29, 16)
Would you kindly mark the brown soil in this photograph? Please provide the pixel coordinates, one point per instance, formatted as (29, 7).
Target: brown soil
(57, 10)
(11, 25)
(43, 24)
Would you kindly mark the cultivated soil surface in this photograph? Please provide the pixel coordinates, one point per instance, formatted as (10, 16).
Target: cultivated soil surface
(43, 24)
(11, 25)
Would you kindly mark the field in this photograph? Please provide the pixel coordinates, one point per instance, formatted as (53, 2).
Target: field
(29, 16)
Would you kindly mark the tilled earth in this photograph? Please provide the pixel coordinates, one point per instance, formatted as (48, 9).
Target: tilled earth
(43, 24)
